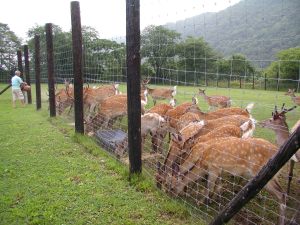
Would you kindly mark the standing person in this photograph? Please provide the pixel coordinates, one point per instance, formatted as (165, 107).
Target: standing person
(16, 90)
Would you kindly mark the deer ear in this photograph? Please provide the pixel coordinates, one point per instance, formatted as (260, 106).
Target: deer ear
(245, 126)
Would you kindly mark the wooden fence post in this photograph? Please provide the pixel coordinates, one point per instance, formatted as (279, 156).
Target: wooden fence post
(265, 81)
(20, 63)
(240, 80)
(77, 66)
(277, 81)
(133, 61)
(37, 64)
(50, 66)
(27, 75)
(298, 86)
(253, 187)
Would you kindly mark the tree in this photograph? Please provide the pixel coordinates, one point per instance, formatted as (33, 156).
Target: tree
(9, 44)
(107, 57)
(62, 44)
(196, 56)
(237, 65)
(101, 57)
(158, 46)
(287, 65)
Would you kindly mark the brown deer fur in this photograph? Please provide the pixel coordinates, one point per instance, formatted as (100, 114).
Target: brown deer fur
(159, 93)
(278, 124)
(239, 157)
(295, 99)
(215, 101)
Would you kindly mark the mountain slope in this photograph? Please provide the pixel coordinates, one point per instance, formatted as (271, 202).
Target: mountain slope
(255, 28)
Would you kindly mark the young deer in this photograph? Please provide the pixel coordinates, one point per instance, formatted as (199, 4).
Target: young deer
(277, 123)
(159, 93)
(295, 99)
(215, 101)
(239, 157)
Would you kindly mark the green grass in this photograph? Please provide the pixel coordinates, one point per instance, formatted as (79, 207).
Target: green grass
(51, 176)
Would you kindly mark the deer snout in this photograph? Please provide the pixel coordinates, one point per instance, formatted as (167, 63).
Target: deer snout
(262, 123)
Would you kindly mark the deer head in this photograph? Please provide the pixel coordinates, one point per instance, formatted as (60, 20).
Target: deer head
(201, 92)
(278, 119)
(290, 92)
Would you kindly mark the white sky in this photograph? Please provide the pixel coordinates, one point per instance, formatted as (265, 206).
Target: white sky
(108, 17)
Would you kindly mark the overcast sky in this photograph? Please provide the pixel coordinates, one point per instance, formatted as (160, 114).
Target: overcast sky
(108, 17)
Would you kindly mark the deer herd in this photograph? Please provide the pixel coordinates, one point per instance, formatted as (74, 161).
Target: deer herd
(201, 145)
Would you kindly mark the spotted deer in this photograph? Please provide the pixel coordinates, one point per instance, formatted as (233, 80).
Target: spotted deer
(175, 151)
(160, 109)
(295, 99)
(239, 157)
(277, 123)
(64, 98)
(174, 114)
(158, 137)
(211, 137)
(236, 120)
(150, 124)
(110, 109)
(215, 101)
(182, 144)
(94, 96)
(198, 115)
(182, 141)
(159, 93)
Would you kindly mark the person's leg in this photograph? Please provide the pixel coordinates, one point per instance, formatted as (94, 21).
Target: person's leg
(22, 102)
(14, 97)
(21, 98)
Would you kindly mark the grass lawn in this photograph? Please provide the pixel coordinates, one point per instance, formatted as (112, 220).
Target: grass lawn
(51, 176)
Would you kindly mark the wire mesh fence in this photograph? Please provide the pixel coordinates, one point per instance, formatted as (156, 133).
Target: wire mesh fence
(208, 122)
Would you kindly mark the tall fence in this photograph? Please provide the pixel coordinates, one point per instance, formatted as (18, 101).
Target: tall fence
(190, 152)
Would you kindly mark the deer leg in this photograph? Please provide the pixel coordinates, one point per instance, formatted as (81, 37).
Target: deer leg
(160, 141)
(154, 101)
(218, 188)
(187, 164)
(110, 123)
(154, 142)
(213, 175)
(275, 189)
(70, 108)
(290, 177)
(192, 176)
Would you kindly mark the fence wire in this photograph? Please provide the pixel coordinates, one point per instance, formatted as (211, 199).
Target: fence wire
(193, 150)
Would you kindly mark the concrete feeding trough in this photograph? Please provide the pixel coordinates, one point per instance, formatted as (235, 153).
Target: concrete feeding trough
(110, 139)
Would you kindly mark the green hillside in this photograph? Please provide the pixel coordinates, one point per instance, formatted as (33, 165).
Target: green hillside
(255, 28)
